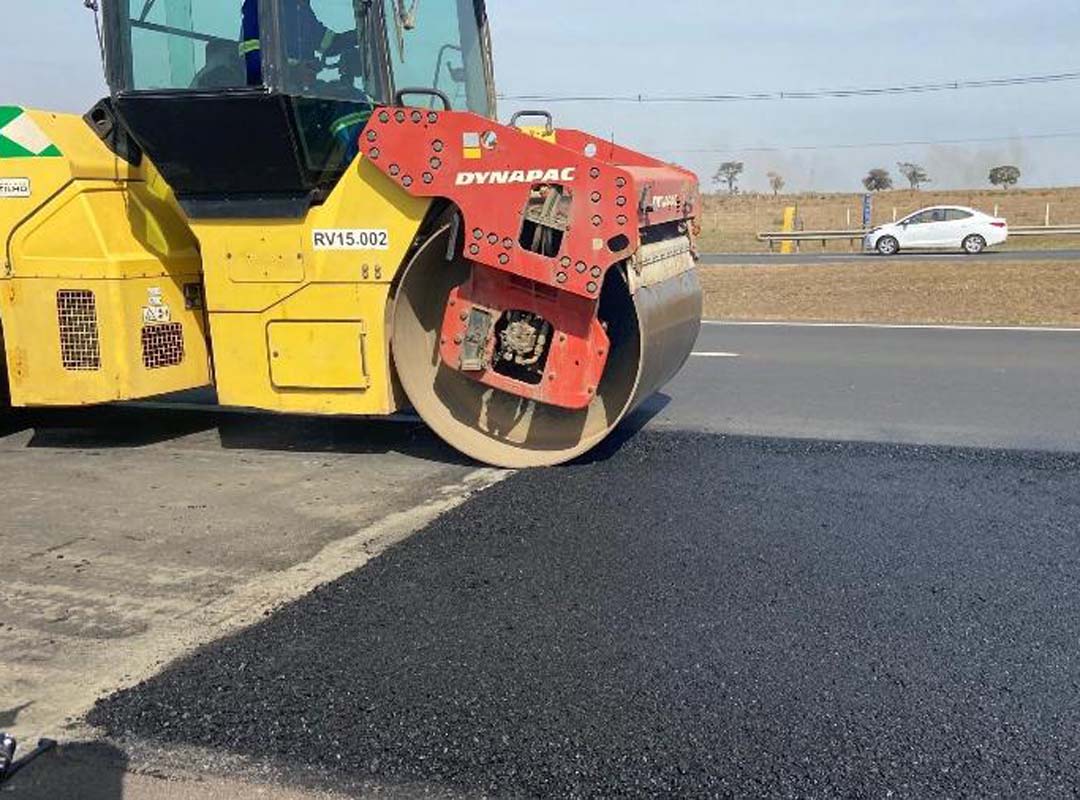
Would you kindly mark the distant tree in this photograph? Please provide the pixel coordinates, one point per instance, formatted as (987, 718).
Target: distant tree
(729, 173)
(877, 180)
(1005, 176)
(914, 173)
(777, 182)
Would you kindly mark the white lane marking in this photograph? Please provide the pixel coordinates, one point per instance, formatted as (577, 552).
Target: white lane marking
(885, 326)
(716, 355)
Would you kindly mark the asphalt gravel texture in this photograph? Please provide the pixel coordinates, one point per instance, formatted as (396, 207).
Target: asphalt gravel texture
(682, 615)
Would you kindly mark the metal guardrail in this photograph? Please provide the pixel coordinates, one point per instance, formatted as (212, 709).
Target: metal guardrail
(1045, 230)
(772, 237)
(851, 236)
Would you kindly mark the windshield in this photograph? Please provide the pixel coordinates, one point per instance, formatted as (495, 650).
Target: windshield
(323, 48)
(327, 49)
(183, 44)
(437, 44)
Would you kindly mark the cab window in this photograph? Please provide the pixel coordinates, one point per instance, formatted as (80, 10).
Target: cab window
(437, 44)
(327, 64)
(327, 50)
(920, 219)
(184, 44)
(957, 214)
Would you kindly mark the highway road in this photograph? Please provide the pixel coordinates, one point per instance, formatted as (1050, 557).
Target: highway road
(816, 256)
(921, 385)
(785, 578)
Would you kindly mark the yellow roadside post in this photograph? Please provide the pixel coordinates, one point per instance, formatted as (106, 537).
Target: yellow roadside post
(787, 247)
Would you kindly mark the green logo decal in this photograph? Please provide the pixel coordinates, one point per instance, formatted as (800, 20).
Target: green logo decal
(20, 136)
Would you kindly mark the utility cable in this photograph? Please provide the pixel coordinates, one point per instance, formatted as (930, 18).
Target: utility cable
(801, 94)
(868, 145)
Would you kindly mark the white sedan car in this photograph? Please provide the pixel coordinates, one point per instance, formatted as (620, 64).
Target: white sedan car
(939, 228)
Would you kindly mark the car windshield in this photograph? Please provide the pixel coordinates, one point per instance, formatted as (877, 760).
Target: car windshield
(925, 216)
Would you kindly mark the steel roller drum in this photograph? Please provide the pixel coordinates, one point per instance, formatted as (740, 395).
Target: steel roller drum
(653, 312)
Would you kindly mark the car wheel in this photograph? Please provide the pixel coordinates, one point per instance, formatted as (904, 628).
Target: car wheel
(974, 244)
(888, 246)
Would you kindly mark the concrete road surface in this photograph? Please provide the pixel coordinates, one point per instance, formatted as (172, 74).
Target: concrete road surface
(810, 256)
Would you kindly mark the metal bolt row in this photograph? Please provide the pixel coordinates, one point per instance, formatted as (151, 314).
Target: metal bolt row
(416, 116)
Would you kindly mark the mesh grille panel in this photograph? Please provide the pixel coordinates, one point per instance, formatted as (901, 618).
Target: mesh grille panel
(162, 345)
(80, 348)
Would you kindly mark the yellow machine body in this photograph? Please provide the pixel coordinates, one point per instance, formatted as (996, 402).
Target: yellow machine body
(108, 293)
(301, 329)
(96, 257)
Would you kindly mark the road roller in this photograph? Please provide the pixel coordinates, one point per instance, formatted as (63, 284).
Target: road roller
(311, 206)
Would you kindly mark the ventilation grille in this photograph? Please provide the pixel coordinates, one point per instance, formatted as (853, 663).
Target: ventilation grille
(80, 347)
(162, 345)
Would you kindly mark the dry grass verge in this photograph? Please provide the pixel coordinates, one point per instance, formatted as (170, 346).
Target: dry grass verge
(954, 291)
(731, 224)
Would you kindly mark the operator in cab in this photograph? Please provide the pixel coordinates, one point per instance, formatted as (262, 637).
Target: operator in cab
(306, 36)
(308, 43)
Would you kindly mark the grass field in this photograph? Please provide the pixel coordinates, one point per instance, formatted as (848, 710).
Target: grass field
(730, 224)
(948, 291)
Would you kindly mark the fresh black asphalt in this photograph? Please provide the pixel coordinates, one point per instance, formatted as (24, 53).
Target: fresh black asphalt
(682, 615)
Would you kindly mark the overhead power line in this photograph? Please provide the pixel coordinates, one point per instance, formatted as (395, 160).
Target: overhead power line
(868, 145)
(799, 94)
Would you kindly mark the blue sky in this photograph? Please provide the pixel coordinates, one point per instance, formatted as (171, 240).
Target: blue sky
(48, 58)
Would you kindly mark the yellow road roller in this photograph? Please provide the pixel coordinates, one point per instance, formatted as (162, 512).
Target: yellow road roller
(311, 206)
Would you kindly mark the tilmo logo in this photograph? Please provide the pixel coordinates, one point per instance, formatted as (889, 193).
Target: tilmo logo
(565, 175)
